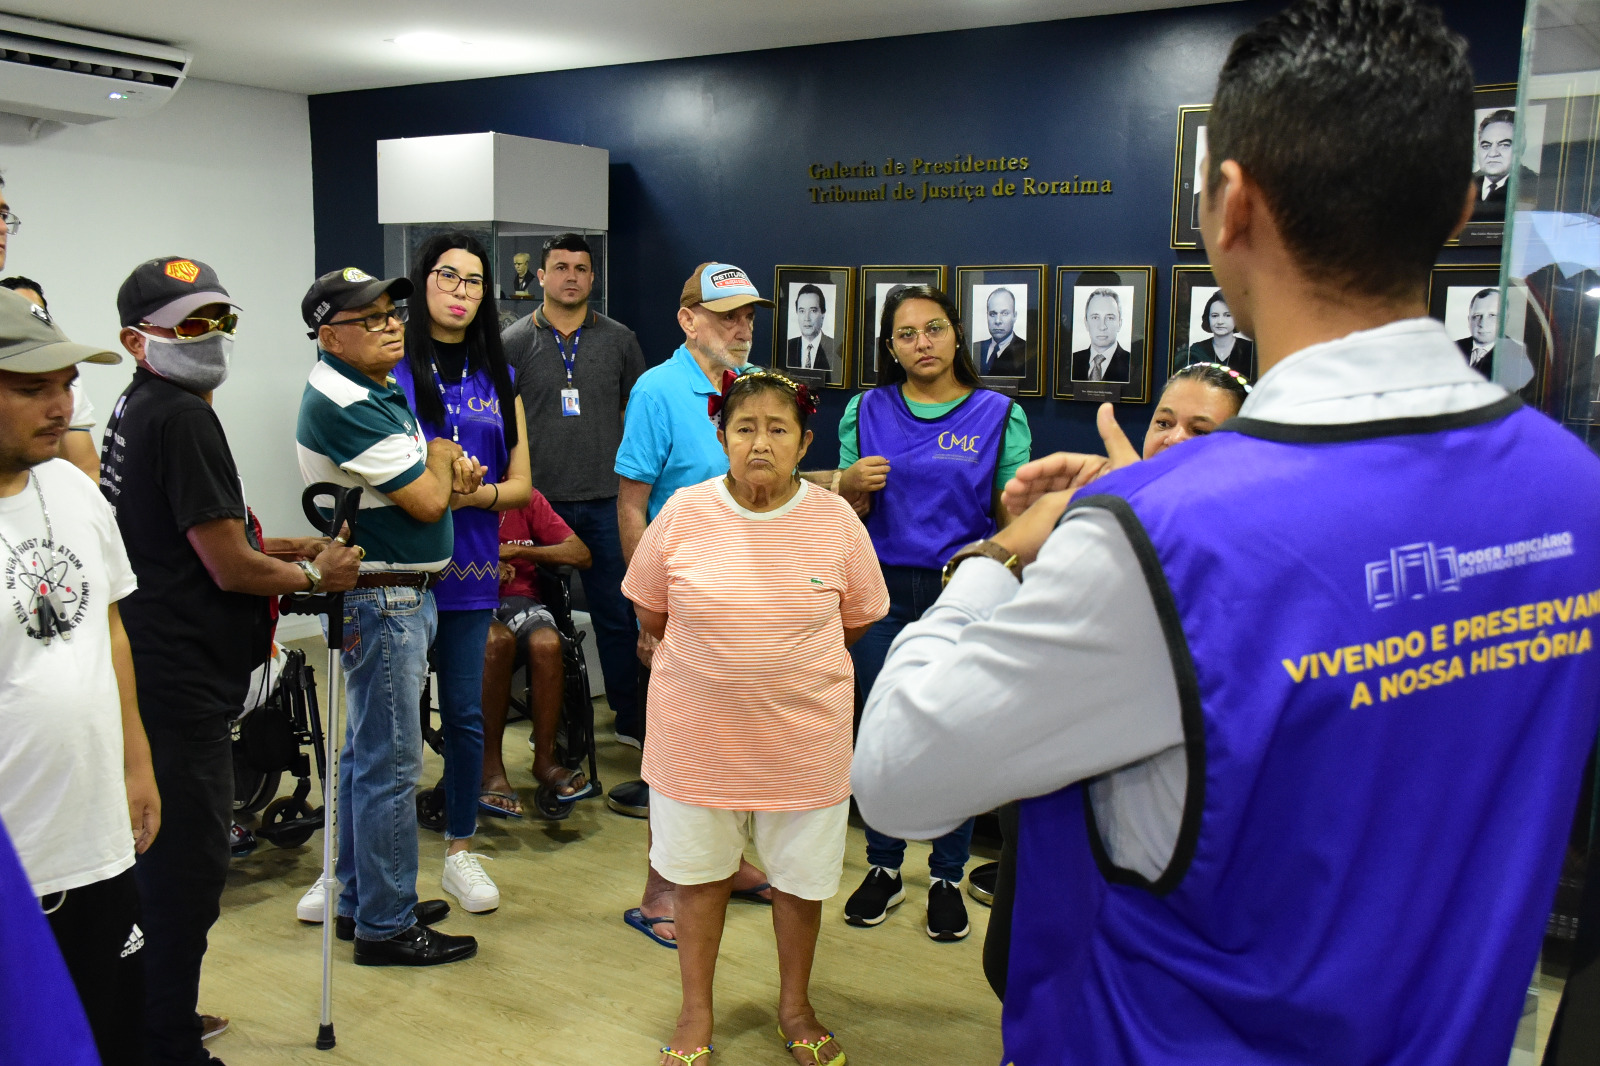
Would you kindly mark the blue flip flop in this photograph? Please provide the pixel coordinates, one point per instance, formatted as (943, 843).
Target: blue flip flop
(498, 812)
(635, 917)
(753, 895)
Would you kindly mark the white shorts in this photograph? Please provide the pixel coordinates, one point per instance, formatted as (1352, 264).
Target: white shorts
(802, 852)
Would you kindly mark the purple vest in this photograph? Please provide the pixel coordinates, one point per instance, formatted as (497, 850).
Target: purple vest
(470, 580)
(940, 494)
(1385, 654)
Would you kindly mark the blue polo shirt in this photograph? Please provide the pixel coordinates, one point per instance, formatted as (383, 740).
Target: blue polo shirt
(668, 438)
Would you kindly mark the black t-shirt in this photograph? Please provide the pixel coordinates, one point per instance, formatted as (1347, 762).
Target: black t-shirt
(165, 468)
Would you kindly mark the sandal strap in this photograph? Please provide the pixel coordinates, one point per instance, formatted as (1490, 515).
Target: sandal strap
(687, 1057)
(812, 1046)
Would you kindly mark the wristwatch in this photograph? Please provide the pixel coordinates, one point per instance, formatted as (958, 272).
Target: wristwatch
(989, 550)
(309, 568)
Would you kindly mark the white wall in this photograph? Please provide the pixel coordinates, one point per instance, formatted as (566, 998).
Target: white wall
(221, 174)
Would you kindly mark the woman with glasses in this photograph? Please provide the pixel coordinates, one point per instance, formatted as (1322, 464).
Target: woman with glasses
(925, 454)
(459, 385)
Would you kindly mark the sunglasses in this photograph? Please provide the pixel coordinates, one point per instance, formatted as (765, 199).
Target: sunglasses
(196, 326)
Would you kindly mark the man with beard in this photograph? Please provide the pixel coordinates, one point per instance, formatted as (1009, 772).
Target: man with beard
(574, 409)
(670, 442)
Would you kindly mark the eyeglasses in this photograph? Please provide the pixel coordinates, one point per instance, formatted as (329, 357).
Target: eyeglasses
(906, 336)
(196, 326)
(376, 322)
(450, 281)
(13, 223)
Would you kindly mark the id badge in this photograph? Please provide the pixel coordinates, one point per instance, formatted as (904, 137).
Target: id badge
(569, 403)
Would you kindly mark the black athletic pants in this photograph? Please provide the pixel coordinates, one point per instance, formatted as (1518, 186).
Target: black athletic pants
(97, 927)
(181, 879)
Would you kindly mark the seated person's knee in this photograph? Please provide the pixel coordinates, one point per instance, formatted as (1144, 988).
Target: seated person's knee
(544, 646)
(500, 649)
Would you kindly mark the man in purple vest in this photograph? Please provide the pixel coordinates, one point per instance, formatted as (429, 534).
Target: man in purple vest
(1296, 711)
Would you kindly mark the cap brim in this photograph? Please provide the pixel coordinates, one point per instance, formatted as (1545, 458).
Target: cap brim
(184, 306)
(397, 288)
(57, 355)
(728, 303)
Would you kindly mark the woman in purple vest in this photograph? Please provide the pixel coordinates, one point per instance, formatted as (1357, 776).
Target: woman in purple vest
(926, 452)
(456, 378)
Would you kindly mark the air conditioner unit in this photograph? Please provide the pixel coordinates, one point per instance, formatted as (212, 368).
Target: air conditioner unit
(50, 71)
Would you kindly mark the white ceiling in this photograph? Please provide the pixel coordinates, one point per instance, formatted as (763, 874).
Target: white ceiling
(317, 46)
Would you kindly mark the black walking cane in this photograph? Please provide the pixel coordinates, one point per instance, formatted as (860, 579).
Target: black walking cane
(341, 511)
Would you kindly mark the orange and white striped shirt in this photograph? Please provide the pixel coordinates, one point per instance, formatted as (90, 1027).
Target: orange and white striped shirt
(752, 690)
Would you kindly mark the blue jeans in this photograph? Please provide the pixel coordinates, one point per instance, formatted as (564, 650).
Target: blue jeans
(912, 591)
(616, 628)
(458, 660)
(386, 636)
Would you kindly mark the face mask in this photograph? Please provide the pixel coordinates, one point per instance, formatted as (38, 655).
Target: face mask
(198, 364)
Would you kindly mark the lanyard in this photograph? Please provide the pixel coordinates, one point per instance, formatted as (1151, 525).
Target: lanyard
(444, 397)
(568, 360)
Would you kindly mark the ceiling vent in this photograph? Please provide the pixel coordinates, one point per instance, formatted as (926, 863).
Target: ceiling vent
(62, 73)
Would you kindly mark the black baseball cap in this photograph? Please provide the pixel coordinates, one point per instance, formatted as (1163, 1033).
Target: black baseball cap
(340, 290)
(164, 292)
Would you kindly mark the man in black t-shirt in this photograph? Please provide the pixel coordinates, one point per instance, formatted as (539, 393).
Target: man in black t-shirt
(198, 623)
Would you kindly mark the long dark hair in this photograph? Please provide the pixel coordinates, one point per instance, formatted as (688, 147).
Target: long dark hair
(483, 335)
(890, 372)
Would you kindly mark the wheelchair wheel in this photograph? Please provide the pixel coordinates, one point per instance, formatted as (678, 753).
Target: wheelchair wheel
(281, 810)
(252, 789)
(550, 808)
(430, 808)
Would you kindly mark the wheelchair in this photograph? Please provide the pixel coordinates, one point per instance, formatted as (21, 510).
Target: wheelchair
(575, 738)
(268, 742)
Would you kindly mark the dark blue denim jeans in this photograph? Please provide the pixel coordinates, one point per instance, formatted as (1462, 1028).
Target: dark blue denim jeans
(912, 591)
(387, 632)
(616, 628)
(458, 660)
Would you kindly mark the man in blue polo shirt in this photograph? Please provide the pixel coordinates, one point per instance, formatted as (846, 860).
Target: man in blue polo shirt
(356, 429)
(669, 441)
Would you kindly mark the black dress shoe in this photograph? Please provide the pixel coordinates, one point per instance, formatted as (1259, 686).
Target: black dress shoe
(631, 798)
(426, 912)
(417, 946)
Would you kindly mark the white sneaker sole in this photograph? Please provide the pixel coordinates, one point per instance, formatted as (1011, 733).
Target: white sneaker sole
(893, 901)
(309, 909)
(948, 937)
(481, 905)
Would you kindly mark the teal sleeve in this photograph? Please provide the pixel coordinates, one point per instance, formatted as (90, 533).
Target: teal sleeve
(847, 433)
(1016, 449)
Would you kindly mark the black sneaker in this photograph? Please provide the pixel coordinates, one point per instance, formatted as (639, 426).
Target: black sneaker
(869, 904)
(947, 914)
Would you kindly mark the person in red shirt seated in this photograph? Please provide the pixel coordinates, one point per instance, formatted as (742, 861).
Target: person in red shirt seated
(530, 537)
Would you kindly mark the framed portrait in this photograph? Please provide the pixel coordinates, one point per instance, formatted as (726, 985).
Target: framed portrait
(1187, 179)
(877, 282)
(1202, 328)
(1002, 309)
(1467, 300)
(1103, 327)
(1494, 159)
(811, 325)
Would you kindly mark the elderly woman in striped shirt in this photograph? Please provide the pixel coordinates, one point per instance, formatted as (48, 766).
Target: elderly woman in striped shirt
(756, 583)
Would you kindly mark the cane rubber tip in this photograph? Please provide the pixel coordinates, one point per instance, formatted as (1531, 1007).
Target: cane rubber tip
(325, 1039)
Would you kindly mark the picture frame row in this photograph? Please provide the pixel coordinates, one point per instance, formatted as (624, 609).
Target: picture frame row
(1103, 324)
(1493, 142)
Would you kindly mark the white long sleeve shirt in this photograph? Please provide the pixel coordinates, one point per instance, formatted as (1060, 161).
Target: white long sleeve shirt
(1005, 691)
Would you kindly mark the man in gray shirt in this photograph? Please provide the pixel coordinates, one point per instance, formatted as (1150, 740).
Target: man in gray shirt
(575, 369)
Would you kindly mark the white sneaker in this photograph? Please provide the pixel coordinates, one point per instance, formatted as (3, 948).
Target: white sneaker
(465, 880)
(309, 909)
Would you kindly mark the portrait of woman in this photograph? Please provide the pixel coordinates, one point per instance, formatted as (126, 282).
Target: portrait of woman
(1224, 344)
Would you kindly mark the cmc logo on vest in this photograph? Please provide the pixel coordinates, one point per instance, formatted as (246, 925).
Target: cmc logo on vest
(951, 442)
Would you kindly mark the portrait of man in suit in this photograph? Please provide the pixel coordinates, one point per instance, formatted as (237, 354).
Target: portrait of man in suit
(811, 348)
(1483, 319)
(522, 281)
(1493, 155)
(1004, 354)
(1103, 358)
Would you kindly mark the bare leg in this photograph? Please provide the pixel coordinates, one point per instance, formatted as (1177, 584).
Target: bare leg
(658, 897)
(796, 922)
(546, 686)
(701, 910)
(499, 657)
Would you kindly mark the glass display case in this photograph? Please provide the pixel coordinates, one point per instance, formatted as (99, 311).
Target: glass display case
(1548, 351)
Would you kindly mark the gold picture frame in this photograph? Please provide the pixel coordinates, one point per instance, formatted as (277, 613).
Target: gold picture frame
(820, 297)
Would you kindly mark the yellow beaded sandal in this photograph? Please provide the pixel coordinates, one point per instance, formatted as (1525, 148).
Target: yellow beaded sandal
(813, 1046)
(686, 1057)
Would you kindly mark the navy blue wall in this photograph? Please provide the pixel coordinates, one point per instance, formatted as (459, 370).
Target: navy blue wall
(709, 156)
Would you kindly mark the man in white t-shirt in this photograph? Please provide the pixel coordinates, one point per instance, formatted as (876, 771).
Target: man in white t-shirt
(74, 762)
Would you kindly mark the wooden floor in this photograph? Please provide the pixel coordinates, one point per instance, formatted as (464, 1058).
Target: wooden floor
(560, 979)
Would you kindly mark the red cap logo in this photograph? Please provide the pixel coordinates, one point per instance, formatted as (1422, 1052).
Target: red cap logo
(183, 270)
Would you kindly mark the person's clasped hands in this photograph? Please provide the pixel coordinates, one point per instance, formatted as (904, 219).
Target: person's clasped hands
(1041, 490)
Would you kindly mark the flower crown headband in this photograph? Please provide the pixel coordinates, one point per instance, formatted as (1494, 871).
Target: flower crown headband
(1243, 381)
(804, 397)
